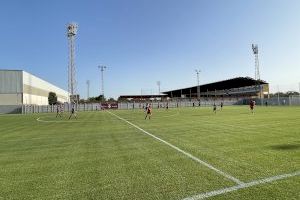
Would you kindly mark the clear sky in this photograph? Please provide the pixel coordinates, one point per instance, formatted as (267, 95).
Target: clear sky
(144, 41)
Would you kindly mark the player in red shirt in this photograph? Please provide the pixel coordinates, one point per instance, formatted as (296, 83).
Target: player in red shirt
(148, 112)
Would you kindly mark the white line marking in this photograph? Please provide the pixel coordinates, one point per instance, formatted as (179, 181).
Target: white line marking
(182, 151)
(238, 187)
(40, 120)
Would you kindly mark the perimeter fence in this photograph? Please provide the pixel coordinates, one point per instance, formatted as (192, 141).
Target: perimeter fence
(27, 109)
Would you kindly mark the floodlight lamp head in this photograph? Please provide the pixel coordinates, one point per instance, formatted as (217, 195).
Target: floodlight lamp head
(72, 29)
(255, 48)
(102, 67)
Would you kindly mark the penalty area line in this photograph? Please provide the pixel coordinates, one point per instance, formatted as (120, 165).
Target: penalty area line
(245, 185)
(237, 181)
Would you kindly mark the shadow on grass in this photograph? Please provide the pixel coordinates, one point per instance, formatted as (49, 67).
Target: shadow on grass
(286, 147)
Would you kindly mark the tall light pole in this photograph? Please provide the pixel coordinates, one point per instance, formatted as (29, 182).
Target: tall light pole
(72, 82)
(198, 83)
(257, 74)
(158, 84)
(255, 52)
(102, 68)
(299, 89)
(278, 100)
(88, 89)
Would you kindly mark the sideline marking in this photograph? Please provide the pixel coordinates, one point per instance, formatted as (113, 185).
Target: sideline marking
(244, 185)
(182, 151)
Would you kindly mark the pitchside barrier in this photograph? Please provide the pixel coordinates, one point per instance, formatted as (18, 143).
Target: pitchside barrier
(275, 101)
(280, 101)
(26, 109)
(10, 109)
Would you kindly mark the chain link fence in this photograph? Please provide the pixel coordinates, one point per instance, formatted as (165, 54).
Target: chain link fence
(279, 101)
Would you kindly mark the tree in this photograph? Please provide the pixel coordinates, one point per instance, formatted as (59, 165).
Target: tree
(111, 99)
(292, 93)
(52, 98)
(287, 94)
(100, 98)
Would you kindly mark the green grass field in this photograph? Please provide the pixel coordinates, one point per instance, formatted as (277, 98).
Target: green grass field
(100, 156)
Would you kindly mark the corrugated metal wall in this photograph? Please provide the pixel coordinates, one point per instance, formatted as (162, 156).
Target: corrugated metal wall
(10, 82)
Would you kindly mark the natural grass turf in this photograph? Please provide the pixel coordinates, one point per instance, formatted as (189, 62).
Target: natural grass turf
(101, 157)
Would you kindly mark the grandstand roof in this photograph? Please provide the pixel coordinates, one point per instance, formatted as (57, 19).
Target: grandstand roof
(220, 85)
(146, 96)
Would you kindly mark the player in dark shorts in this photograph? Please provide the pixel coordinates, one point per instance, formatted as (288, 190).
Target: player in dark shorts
(148, 112)
(73, 113)
(221, 105)
(215, 108)
(58, 111)
(167, 106)
(252, 104)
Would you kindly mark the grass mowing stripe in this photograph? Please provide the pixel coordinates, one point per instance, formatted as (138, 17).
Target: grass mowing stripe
(245, 185)
(182, 151)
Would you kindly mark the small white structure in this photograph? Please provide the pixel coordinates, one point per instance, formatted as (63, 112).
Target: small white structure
(18, 87)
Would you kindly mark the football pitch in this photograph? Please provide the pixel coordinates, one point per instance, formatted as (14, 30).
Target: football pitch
(181, 153)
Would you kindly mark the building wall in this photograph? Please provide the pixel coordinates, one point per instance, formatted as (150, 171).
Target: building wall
(19, 87)
(36, 90)
(11, 99)
(10, 87)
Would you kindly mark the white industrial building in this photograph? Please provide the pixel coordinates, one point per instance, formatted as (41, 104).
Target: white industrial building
(18, 87)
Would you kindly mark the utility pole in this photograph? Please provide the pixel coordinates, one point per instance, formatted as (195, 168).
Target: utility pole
(198, 84)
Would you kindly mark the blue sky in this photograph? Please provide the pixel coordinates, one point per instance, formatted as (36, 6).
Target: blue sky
(143, 41)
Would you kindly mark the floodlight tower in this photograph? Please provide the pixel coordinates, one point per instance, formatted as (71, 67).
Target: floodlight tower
(72, 82)
(88, 89)
(198, 83)
(257, 75)
(299, 89)
(255, 52)
(158, 84)
(102, 68)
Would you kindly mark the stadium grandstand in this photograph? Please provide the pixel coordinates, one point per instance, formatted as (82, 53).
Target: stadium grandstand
(236, 88)
(136, 98)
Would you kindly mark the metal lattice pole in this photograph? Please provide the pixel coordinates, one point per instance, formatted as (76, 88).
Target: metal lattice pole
(299, 89)
(198, 84)
(72, 82)
(257, 74)
(102, 68)
(88, 89)
(158, 84)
